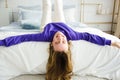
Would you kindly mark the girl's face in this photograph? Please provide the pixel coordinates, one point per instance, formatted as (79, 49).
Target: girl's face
(59, 42)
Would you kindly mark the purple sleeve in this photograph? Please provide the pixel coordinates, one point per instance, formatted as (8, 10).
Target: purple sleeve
(13, 40)
(91, 38)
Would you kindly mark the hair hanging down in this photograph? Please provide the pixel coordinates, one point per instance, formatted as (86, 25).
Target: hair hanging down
(59, 66)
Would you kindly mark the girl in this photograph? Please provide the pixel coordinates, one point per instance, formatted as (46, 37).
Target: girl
(59, 66)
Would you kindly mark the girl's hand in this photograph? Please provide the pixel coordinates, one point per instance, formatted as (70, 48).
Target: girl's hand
(116, 44)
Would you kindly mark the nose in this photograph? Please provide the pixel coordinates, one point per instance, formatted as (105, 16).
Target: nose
(60, 38)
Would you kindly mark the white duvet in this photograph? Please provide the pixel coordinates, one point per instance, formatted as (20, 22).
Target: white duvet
(88, 58)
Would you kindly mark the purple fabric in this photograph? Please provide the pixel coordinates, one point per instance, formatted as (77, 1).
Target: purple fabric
(48, 33)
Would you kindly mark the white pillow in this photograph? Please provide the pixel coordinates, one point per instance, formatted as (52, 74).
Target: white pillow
(29, 14)
(76, 24)
(71, 13)
(70, 8)
(28, 9)
(30, 24)
(34, 7)
(30, 19)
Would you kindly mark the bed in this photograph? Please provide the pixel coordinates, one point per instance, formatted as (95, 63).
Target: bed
(19, 63)
(29, 75)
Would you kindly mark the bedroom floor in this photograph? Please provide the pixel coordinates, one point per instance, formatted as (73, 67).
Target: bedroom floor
(42, 77)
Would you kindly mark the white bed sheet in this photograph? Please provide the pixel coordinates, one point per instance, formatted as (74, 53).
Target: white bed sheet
(31, 57)
(16, 27)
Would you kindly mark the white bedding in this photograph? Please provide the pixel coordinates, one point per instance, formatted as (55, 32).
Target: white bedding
(16, 27)
(88, 58)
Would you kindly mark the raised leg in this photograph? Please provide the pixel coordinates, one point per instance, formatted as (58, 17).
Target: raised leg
(58, 15)
(46, 14)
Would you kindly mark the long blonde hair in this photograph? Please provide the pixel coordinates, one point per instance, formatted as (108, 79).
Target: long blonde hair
(59, 66)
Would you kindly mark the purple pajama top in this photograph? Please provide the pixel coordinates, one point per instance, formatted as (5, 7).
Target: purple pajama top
(48, 34)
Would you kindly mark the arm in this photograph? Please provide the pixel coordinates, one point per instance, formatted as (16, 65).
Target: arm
(95, 39)
(116, 44)
(92, 38)
(13, 40)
